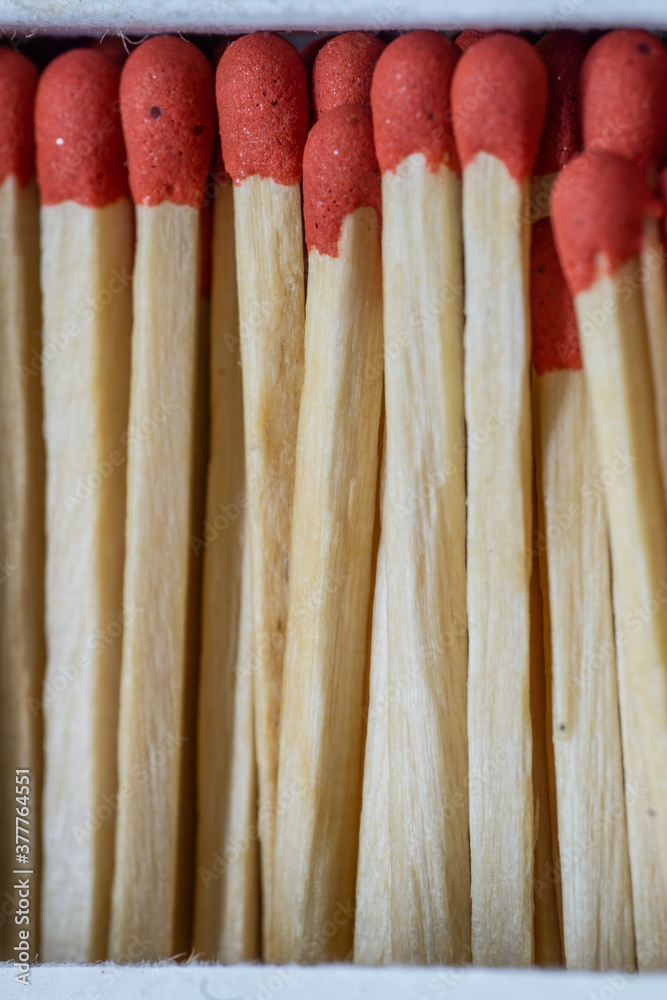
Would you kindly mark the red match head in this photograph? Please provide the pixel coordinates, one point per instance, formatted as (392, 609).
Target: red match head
(18, 83)
(112, 46)
(499, 96)
(470, 37)
(340, 174)
(410, 100)
(598, 206)
(264, 108)
(624, 97)
(562, 53)
(343, 71)
(554, 324)
(168, 107)
(80, 149)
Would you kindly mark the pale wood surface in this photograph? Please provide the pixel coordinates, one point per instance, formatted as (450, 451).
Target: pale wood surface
(425, 525)
(22, 650)
(86, 270)
(321, 750)
(152, 866)
(598, 924)
(497, 355)
(611, 322)
(227, 880)
(270, 276)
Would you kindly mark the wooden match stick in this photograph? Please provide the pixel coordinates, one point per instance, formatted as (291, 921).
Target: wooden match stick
(598, 930)
(598, 209)
(168, 110)
(334, 506)
(424, 522)
(498, 103)
(227, 881)
(264, 113)
(562, 53)
(624, 111)
(22, 651)
(343, 70)
(86, 220)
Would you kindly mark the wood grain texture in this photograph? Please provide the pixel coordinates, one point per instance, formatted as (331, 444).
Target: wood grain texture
(425, 525)
(497, 355)
(227, 883)
(152, 863)
(22, 648)
(86, 271)
(270, 276)
(610, 317)
(321, 749)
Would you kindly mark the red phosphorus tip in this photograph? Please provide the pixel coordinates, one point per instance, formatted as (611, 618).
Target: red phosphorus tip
(340, 174)
(264, 108)
(410, 100)
(343, 71)
(80, 148)
(499, 96)
(553, 321)
(470, 37)
(598, 204)
(624, 97)
(562, 53)
(18, 82)
(168, 107)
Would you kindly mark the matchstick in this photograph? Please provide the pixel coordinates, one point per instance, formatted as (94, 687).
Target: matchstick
(424, 504)
(624, 111)
(562, 53)
(334, 507)
(598, 209)
(264, 113)
(343, 71)
(168, 111)
(22, 651)
(498, 103)
(227, 881)
(86, 264)
(598, 930)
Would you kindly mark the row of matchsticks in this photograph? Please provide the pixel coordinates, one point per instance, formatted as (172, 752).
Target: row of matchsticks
(353, 641)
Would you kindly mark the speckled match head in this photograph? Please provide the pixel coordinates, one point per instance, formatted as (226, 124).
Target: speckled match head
(553, 321)
(18, 83)
(343, 71)
(562, 53)
(264, 108)
(80, 149)
(410, 100)
(499, 96)
(309, 53)
(340, 174)
(598, 206)
(168, 107)
(624, 97)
